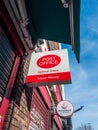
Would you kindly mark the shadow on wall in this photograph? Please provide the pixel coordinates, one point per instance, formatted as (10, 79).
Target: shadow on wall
(21, 93)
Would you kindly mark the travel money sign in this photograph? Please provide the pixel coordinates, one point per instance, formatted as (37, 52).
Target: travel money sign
(49, 68)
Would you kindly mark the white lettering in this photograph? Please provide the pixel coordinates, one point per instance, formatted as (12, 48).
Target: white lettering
(53, 77)
(48, 61)
(42, 78)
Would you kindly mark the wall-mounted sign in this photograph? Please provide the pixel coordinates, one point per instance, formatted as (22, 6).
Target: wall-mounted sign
(65, 109)
(49, 68)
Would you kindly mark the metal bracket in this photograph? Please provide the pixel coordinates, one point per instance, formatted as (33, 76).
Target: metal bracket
(66, 3)
(53, 110)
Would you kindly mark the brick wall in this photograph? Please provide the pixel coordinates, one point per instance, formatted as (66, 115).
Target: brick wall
(17, 117)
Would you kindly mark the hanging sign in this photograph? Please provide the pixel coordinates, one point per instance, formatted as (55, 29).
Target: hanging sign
(49, 68)
(65, 109)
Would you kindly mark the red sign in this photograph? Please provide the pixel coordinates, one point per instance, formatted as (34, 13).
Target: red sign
(48, 61)
(49, 68)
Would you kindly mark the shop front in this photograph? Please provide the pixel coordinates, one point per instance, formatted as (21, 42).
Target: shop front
(40, 110)
(9, 65)
(11, 51)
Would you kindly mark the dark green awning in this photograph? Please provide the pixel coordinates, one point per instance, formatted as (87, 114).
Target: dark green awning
(51, 21)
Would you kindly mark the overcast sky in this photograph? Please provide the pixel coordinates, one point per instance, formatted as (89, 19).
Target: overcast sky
(84, 87)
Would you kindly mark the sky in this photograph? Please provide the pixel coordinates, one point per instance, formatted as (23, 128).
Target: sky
(84, 75)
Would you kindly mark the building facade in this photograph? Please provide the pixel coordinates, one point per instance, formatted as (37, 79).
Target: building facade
(21, 107)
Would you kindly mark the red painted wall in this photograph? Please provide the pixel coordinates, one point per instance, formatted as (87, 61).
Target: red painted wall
(8, 26)
(58, 94)
(45, 95)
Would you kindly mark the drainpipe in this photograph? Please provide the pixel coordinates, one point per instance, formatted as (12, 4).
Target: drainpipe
(24, 21)
(19, 17)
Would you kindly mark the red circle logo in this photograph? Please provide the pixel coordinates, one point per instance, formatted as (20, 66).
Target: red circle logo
(64, 106)
(48, 61)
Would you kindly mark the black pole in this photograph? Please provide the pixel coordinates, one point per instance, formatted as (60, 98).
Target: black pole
(78, 109)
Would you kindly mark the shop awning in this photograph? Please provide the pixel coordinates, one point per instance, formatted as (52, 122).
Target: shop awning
(50, 20)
